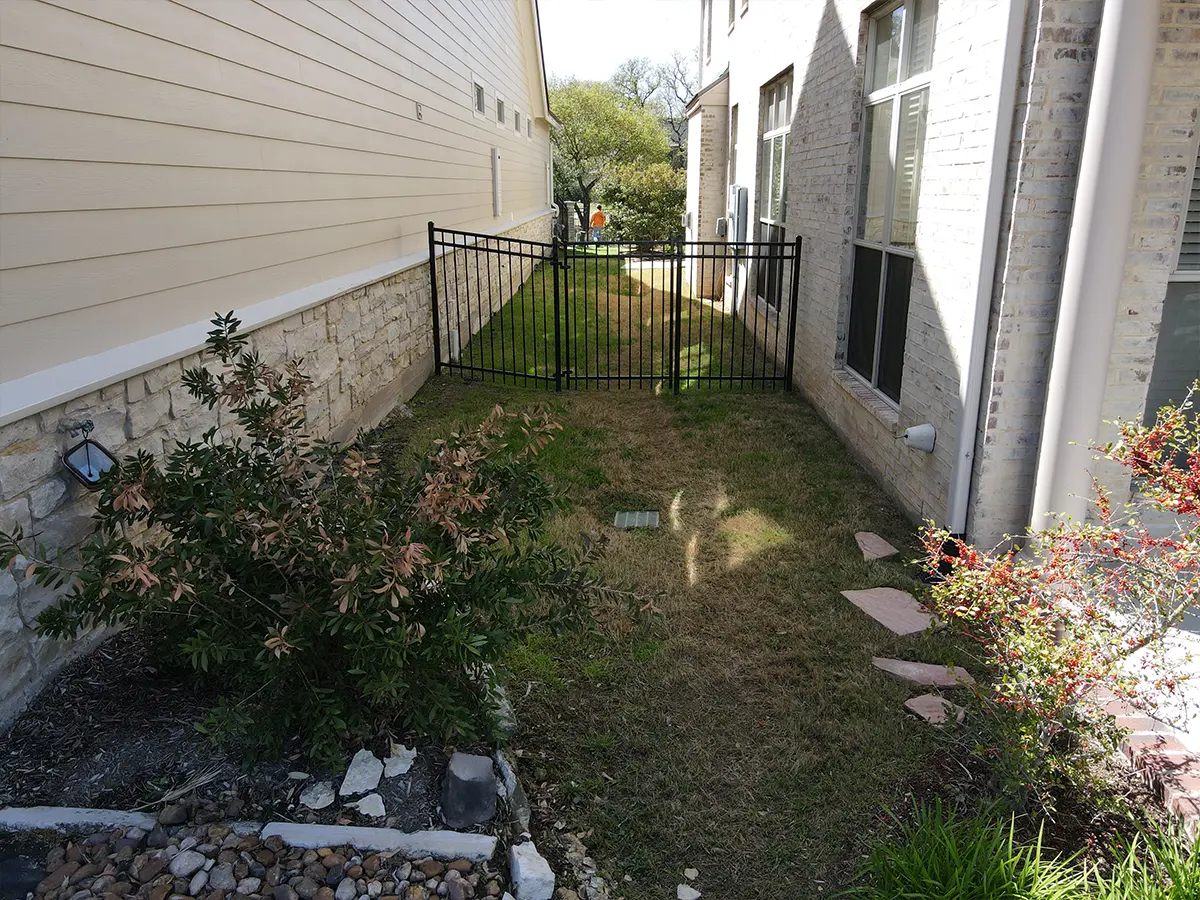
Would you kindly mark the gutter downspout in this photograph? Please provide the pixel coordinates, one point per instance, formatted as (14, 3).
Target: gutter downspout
(1094, 265)
(971, 386)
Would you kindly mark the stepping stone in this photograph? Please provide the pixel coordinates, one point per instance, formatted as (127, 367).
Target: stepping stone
(934, 709)
(873, 546)
(924, 673)
(895, 610)
(642, 519)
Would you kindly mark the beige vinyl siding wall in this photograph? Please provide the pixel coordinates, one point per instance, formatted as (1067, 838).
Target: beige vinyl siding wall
(161, 160)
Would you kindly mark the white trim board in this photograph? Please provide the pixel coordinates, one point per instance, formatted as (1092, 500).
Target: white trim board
(30, 394)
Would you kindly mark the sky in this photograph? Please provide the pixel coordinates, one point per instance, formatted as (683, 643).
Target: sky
(587, 39)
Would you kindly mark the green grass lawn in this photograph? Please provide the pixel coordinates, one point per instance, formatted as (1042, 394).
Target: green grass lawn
(743, 731)
(616, 319)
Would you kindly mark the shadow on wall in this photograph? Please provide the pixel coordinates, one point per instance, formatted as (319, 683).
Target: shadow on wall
(868, 324)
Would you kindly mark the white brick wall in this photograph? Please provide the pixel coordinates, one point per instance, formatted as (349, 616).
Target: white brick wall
(823, 42)
(366, 350)
(1056, 76)
(1056, 69)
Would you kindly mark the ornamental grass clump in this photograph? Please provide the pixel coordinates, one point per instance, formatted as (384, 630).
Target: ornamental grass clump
(320, 591)
(1084, 616)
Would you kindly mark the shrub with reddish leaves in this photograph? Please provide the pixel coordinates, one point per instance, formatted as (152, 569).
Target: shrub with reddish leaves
(317, 590)
(1082, 615)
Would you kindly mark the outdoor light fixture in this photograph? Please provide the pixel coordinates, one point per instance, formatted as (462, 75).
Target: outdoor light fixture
(88, 460)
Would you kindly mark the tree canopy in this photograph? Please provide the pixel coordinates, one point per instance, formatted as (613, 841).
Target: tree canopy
(598, 131)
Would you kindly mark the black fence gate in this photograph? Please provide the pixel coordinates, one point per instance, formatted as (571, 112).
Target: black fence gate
(667, 315)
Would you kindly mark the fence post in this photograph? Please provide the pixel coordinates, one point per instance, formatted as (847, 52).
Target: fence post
(791, 338)
(678, 312)
(433, 294)
(557, 323)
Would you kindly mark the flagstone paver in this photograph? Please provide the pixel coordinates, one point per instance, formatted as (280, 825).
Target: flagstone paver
(893, 609)
(873, 546)
(924, 673)
(934, 709)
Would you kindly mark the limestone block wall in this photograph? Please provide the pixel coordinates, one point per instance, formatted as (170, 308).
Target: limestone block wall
(366, 350)
(476, 277)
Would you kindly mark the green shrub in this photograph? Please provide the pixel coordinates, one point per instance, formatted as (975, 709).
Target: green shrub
(318, 590)
(645, 202)
(939, 856)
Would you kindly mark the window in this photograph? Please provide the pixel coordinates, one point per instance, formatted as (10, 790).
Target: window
(733, 134)
(529, 128)
(479, 98)
(706, 13)
(1177, 352)
(499, 111)
(896, 108)
(775, 115)
(517, 121)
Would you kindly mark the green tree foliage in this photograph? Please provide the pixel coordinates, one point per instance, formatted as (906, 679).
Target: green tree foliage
(644, 203)
(319, 590)
(598, 133)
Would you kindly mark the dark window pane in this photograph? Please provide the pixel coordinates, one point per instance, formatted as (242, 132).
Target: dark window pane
(864, 309)
(897, 282)
(1177, 353)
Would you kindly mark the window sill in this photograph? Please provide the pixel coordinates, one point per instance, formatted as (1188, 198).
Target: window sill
(887, 414)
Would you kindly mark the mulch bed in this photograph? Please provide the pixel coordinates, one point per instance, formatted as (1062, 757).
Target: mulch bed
(114, 732)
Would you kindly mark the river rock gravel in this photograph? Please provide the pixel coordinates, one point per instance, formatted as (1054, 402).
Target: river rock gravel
(212, 862)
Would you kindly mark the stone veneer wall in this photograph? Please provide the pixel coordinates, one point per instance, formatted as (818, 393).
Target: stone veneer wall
(366, 350)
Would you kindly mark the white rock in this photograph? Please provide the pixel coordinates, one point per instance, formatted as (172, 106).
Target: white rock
(691, 874)
(371, 805)
(532, 877)
(184, 863)
(346, 890)
(400, 761)
(363, 775)
(199, 880)
(249, 885)
(317, 795)
(686, 892)
(298, 776)
(374, 889)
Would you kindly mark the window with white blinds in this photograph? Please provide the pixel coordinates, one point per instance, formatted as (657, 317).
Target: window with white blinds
(899, 69)
(1189, 248)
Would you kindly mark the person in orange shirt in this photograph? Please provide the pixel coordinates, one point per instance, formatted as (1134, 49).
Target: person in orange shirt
(599, 220)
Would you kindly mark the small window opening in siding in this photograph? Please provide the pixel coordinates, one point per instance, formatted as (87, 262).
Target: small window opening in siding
(529, 128)
(500, 111)
(517, 121)
(479, 98)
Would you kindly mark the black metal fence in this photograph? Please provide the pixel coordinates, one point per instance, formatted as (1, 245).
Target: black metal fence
(668, 315)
